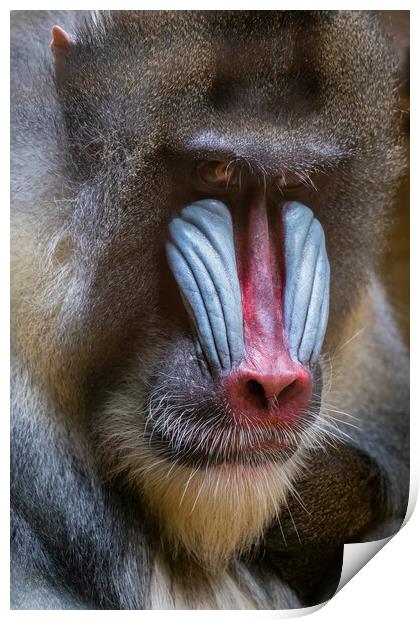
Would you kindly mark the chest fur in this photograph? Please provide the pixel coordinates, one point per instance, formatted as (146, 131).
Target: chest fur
(236, 587)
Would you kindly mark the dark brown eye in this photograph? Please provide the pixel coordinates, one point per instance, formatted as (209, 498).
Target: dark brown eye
(289, 182)
(217, 174)
(300, 182)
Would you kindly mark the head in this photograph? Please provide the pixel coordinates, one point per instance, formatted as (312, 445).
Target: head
(227, 178)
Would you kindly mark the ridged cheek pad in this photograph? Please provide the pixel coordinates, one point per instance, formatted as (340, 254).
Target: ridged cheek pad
(307, 290)
(201, 255)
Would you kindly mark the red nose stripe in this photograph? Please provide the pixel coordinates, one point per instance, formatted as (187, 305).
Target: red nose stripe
(260, 268)
(267, 384)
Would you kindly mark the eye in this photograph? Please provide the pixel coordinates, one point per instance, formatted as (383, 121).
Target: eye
(300, 182)
(217, 174)
(288, 182)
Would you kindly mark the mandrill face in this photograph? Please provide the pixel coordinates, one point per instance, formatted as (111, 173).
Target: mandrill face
(185, 286)
(256, 286)
(231, 403)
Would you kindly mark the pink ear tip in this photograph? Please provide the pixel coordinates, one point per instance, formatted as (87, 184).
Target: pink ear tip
(61, 40)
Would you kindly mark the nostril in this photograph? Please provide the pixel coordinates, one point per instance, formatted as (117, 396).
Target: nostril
(256, 391)
(288, 391)
(275, 396)
(265, 397)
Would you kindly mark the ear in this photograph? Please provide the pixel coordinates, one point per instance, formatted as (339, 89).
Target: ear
(61, 43)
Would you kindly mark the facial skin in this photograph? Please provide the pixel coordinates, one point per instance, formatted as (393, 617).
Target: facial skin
(192, 367)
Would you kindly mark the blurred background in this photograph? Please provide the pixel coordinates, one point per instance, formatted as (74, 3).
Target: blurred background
(396, 266)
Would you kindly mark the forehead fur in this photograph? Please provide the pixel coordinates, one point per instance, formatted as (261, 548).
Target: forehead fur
(280, 64)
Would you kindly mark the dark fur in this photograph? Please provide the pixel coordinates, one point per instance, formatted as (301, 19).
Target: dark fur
(105, 154)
